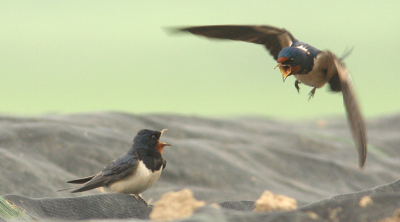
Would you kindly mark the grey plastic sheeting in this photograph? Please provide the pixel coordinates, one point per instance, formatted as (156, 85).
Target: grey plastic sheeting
(220, 159)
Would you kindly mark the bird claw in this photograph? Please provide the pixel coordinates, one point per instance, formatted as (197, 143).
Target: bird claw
(138, 197)
(296, 84)
(311, 94)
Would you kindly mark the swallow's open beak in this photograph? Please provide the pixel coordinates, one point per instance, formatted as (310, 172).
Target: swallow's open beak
(164, 144)
(285, 70)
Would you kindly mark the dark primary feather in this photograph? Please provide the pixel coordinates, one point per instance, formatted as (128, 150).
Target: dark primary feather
(334, 82)
(81, 180)
(274, 39)
(117, 169)
(354, 116)
(97, 181)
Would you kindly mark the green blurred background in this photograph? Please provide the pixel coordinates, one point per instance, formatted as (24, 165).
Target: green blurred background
(83, 56)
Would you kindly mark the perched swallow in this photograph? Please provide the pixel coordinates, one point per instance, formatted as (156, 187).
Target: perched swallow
(135, 171)
(306, 63)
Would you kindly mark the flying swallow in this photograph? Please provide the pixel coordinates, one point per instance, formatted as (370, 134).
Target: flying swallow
(306, 63)
(135, 171)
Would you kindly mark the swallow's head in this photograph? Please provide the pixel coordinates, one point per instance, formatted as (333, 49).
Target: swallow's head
(290, 60)
(150, 139)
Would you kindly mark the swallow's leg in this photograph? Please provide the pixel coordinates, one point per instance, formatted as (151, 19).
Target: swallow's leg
(138, 197)
(311, 94)
(296, 84)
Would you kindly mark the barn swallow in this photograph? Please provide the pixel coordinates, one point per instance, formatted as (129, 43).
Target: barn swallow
(135, 171)
(306, 63)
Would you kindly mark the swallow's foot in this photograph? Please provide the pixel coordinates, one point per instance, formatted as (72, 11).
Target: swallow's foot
(296, 84)
(138, 197)
(311, 94)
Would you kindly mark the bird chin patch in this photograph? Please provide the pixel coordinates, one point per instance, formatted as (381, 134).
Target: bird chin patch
(285, 70)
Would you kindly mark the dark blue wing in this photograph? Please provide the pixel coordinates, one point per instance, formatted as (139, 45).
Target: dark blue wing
(117, 169)
(274, 39)
(120, 167)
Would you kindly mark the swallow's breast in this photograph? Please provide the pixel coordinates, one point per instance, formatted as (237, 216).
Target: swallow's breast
(317, 76)
(136, 182)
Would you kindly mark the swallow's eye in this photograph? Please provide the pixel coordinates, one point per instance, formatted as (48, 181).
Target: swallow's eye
(154, 136)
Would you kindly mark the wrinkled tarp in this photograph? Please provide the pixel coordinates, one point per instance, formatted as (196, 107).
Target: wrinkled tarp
(384, 203)
(219, 159)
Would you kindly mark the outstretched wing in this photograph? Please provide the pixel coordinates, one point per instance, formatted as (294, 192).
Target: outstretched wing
(274, 39)
(116, 170)
(354, 116)
(334, 82)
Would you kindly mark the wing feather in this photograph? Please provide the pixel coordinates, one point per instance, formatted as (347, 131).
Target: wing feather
(274, 39)
(354, 116)
(117, 169)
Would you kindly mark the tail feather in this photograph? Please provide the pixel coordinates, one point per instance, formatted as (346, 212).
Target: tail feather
(84, 187)
(81, 180)
(67, 189)
(97, 181)
(346, 53)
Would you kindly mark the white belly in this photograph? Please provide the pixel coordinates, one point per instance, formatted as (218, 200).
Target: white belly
(315, 78)
(137, 182)
(318, 75)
